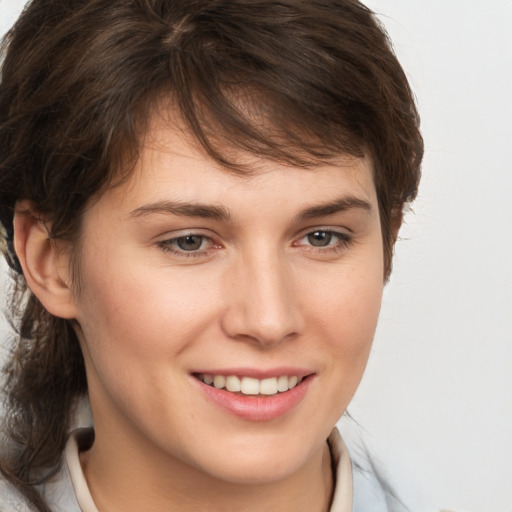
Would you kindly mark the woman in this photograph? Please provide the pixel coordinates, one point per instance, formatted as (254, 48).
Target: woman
(200, 201)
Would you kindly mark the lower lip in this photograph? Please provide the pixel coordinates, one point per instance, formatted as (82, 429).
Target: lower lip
(257, 408)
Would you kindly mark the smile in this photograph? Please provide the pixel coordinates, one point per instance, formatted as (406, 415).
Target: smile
(250, 385)
(241, 393)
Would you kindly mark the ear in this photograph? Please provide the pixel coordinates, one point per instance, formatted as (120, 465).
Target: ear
(46, 269)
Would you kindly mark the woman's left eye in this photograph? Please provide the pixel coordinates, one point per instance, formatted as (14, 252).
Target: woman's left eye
(321, 238)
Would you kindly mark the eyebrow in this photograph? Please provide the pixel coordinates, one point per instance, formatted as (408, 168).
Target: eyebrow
(183, 209)
(338, 205)
(220, 213)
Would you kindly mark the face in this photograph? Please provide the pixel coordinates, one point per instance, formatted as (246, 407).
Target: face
(269, 284)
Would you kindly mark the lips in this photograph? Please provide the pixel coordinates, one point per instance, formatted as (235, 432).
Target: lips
(259, 396)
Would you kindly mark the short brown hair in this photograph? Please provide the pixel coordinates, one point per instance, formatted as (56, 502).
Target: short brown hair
(295, 81)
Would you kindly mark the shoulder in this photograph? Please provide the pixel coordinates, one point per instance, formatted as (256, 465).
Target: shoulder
(379, 486)
(57, 491)
(11, 499)
(367, 491)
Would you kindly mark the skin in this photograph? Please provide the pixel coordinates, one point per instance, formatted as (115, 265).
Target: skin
(257, 294)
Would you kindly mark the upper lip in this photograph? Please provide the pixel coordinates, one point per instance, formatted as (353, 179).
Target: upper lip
(256, 373)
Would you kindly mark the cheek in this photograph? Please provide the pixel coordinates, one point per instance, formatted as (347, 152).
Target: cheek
(351, 327)
(348, 299)
(345, 308)
(135, 326)
(130, 313)
(141, 315)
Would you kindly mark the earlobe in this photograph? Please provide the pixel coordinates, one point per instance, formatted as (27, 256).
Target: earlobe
(45, 268)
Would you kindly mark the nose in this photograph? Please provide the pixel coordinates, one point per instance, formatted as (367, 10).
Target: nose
(263, 301)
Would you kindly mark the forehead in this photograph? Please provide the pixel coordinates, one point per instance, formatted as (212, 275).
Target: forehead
(172, 165)
(185, 176)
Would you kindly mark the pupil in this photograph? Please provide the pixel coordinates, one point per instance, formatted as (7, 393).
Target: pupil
(190, 243)
(320, 238)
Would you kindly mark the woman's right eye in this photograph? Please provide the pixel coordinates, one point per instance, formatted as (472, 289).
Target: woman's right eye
(187, 245)
(190, 242)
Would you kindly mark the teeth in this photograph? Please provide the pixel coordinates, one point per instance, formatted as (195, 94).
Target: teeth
(268, 386)
(233, 383)
(283, 383)
(219, 381)
(251, 386)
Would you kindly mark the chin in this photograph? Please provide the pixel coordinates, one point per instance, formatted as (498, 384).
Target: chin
(259, 460)
(256, 472)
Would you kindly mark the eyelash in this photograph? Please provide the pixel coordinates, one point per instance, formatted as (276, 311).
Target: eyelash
(343, 241)
(170, 246)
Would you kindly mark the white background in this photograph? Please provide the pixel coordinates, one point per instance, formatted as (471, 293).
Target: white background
(436, 400)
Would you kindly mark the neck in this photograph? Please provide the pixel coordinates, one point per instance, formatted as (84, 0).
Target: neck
(137, 479)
